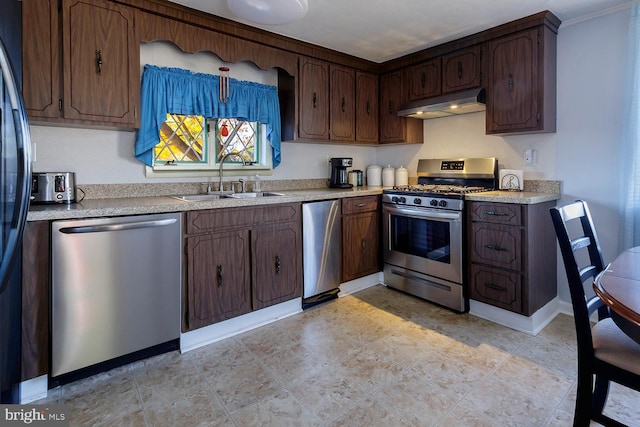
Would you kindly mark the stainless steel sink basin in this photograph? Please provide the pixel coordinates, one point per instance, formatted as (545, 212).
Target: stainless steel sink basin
(198, 197)
(259, 194)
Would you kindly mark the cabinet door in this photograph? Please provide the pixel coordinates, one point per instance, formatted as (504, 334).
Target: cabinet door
(342, 112)
(41, 66)
(276, 274)
(496, 245)
(425, 80)
(314, 94)
(496, 287)
(366, 107)
(513, 98)
(391, 95)
(35, 299)
(360, 245)
(218, 282)
(462, 70)
(101, 62)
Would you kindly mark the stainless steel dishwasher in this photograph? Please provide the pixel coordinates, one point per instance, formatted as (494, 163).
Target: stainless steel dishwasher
(115, 287)
(321, 249)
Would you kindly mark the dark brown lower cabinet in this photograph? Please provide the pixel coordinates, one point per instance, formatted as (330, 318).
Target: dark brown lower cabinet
(238, 260)
(35, 300)
(512, 254)
(360, 237)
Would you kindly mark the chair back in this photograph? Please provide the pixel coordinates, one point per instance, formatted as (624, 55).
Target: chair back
(582, 258)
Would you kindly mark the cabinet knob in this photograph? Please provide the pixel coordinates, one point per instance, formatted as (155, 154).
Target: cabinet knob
(278, 264)
(220, 275)
(99, 61)
(363, 245)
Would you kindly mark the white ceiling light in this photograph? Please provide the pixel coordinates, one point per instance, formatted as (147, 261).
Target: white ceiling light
(269, 12)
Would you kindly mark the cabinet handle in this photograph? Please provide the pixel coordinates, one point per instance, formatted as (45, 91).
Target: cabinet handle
(315, 100)
(459, 69)
(423, 80)
(343, 104)
(510, 82)
(495, 287)
(220, 276)
(278, 264)
(391, 107)
(360, 205)
(363, 245)
(368, 108)
(496, 248)
(494, 213)
(99, 61)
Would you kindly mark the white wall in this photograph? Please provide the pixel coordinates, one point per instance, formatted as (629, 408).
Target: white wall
(583, 154)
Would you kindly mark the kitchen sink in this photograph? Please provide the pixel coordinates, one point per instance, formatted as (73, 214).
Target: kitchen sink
(258, 194)
(198, 197)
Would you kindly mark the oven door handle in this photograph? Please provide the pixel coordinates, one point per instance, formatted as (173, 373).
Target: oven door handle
(424, 213)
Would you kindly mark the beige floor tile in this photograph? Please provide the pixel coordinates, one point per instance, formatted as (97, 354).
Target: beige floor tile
(281, 410)
(369, 413)
(192, 409)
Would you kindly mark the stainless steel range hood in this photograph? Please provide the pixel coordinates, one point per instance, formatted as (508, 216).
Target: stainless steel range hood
(468, 101)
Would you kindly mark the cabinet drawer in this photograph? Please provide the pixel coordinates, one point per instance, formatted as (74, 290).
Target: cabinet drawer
(502, 213)
(359, 204)
(224, 219)
(496, 245)
(499, 288)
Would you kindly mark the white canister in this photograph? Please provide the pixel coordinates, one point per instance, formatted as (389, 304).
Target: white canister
(402, 176)
(388, 176)
(374, 176)
(353, 178)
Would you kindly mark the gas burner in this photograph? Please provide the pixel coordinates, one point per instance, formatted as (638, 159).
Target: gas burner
(439, 189)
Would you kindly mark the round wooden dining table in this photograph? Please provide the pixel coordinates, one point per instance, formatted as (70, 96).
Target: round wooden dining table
(619, 287)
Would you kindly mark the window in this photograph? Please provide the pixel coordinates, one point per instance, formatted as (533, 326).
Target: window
(193, 143)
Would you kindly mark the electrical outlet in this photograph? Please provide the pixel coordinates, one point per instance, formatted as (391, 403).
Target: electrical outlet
(528, 156)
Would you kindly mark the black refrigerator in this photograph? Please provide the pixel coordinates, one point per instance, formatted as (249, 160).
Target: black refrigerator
(15, 181)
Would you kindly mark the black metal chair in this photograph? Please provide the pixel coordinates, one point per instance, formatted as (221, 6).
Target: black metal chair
(604, 351)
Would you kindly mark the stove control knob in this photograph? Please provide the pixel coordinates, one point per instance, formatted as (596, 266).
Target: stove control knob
(403, 200)
(417, 201)
(433, 202)
(394, 199)
(442, 203)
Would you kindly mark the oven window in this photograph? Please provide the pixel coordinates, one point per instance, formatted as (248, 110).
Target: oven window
(421, 237)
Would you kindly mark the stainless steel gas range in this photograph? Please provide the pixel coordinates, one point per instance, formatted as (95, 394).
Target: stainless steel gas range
(423, 230)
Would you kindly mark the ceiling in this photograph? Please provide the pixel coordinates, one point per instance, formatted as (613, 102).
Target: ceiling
(380, 30)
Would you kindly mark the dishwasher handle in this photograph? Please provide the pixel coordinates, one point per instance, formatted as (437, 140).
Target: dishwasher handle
(117, 227)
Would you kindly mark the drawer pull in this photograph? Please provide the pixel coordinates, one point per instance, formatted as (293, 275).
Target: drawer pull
(364, 246)
(494, 213)
(496, 248)
(360, 205)
(495, 287)
(220, 276)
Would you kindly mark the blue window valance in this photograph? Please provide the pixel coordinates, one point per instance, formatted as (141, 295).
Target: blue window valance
(177, 91)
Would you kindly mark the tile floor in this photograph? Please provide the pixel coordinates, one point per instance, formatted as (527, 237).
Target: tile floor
(374, 358)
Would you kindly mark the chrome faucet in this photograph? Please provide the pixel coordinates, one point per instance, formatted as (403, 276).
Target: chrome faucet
(222, 162)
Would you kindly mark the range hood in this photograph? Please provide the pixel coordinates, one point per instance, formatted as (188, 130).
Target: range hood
(468, 101)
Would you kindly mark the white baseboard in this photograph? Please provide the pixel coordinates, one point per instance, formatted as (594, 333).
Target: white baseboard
(531, 325)
(34, 389)
(228, 328)
(356, 285)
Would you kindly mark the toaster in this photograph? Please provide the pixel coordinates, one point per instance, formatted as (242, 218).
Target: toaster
(53, 187)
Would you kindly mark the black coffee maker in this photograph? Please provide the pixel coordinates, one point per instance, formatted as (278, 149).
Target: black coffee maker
(339, 177)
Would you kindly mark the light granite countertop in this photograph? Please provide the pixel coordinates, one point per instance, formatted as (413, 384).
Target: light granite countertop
(95, 208)
(139, 199)
(517, 197)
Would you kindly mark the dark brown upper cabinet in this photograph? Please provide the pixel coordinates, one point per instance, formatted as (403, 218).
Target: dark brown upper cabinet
(393, 128)
(342, 103)
(366, 107)
(81, 64)
(462, 70)
(424, 80)
(314, 99)
(521, 85)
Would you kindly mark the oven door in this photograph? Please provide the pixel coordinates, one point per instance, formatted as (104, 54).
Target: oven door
(425, 240)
